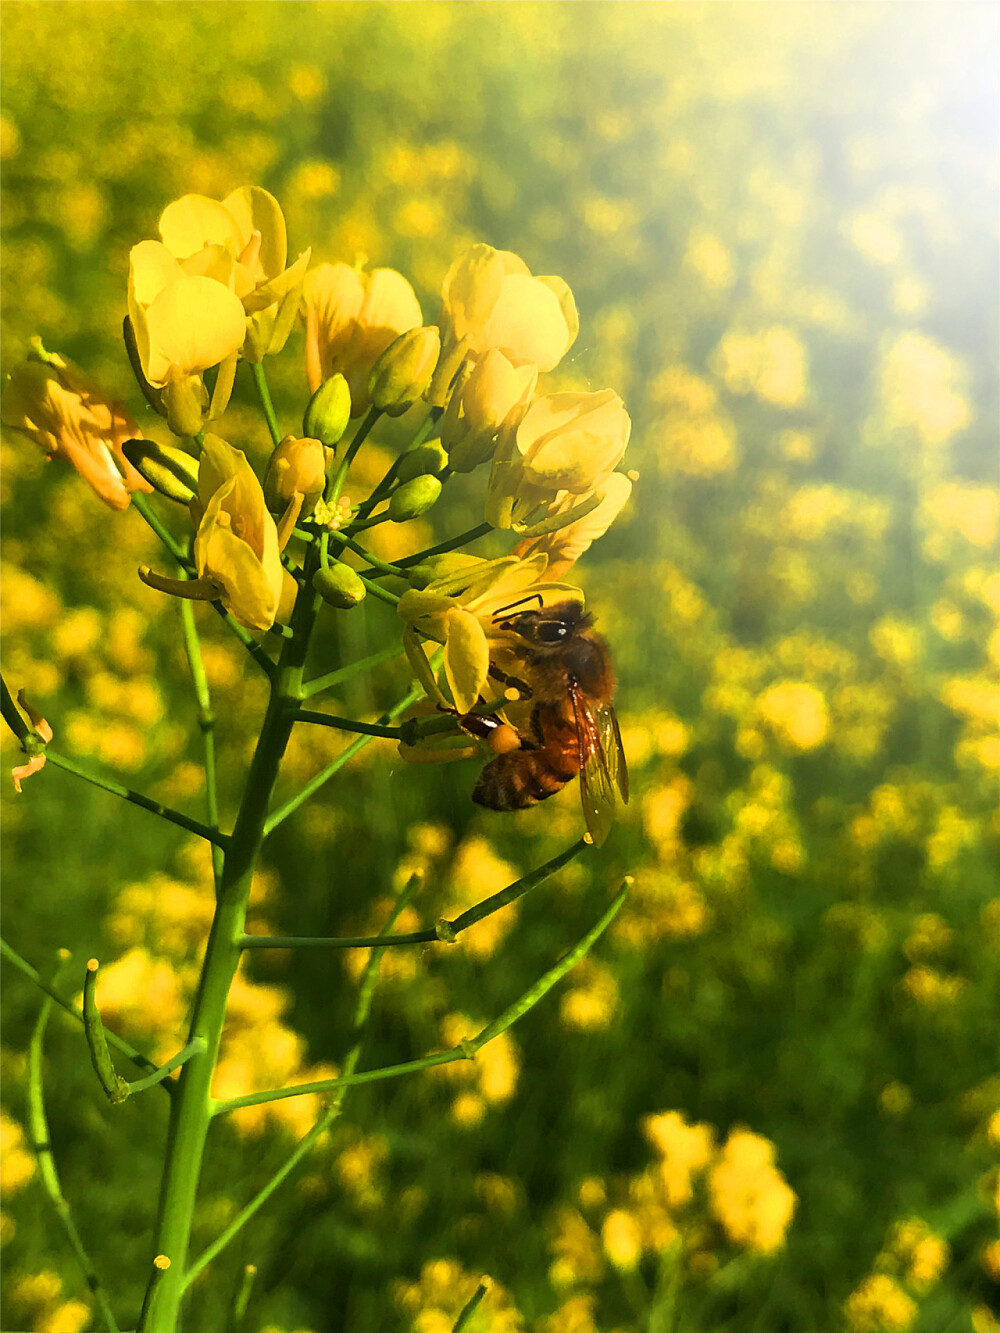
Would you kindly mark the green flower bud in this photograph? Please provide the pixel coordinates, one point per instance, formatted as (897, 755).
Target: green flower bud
(428, 458)
(403, 371)
(296, 466)
(329, 411)
(413, 498)
(442, 567)
(168, 469)
(339, 586)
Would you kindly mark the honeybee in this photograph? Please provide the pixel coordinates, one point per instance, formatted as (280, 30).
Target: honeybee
(573, 727)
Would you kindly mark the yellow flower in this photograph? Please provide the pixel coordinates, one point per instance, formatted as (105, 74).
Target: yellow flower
(52, 402)
(185, 317)
(458, 611)
(797, 714)
(351, 318)
(566, 443)
(878, 1305)
(248, 226)
(749, 1195)
(237, 549)
(490, 299)
(565, 546)
(478, 409)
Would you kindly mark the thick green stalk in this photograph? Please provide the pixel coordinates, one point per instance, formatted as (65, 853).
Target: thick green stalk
(192, 1104)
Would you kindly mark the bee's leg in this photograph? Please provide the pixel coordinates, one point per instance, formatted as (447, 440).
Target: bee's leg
(512, 682)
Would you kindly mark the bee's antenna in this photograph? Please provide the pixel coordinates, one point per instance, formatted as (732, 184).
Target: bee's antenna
(531, 597)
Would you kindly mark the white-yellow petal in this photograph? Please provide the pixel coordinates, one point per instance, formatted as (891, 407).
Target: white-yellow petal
(192, 324)
(195, 221)
(466, 659)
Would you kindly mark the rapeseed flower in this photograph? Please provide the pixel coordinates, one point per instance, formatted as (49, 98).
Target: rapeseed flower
(749, 1195)
(52, 402)
(489, 299)
(237, 550)
(350, 319)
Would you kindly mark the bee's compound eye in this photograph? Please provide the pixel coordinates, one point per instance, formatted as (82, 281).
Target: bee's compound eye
(552, 631)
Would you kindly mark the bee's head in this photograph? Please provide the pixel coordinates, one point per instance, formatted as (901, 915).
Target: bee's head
(548, 625)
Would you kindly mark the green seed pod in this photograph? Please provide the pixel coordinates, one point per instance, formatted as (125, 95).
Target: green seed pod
(404, 370)
(427, 459)
(329, 411)
(413, 498)
(168, 469)
(339, 586)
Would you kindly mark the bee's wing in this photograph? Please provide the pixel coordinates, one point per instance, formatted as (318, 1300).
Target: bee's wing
(598, 768)
(611, 738)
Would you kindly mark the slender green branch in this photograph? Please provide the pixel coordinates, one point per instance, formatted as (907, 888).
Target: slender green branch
(472, 1305)
(445, 932)
(362, 1010)
(138, 1059)
(290, 806)
(382, 489)
(12, 715)
(161, 1265)
(465, 1051)
(195, 1047)
(38, 1128)
(264, 394)
(340, 476)
(382, 566)
(206, 724)
(142, 507)
(382, 594)
(346, 724)
(555, 974)
(136, 798)
(337, 941)
(344, 1081)
(511, 893)
(115, 1087)
(463, 539)
(343, 673)
(255, 649)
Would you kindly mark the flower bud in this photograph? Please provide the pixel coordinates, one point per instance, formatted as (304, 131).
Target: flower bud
(339, 586)
(413, 498)
(403, 371)
(168, 469)
(428, 458)
(296, 466)
(329, 411)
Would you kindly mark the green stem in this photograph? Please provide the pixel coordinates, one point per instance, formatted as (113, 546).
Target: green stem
(12, 716)
(264, 394)
(463, 539)
(381, 565)
(382, 594)
(206, 725)
(195, 1047)
(136, 798)
(352, 669)
(346, 724)
(466, 1051)
(445, 932)
(281, 814)
(41, 1140)
(142, 507)
(340, 476)
(362, 1010)
(471, 1306)
(14, 958)
(255, 650)
(192, 1103)
(382, 489)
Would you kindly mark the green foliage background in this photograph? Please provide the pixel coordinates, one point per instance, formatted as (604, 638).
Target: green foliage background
(779, 222)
